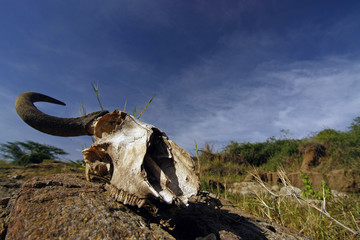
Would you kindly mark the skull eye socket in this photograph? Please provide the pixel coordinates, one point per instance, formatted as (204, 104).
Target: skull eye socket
(101, 169)
(159, 166)
(162, 174)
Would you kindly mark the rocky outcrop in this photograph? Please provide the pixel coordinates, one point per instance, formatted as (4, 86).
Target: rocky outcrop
(313, 155)
(66, 206)
(344, 180)
(340, 180)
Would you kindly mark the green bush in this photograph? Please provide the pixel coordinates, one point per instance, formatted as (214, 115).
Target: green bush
(260, 153)
(343, 148)
(32, 158)
(308, 191)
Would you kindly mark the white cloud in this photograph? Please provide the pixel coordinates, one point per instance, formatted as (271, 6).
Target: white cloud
(246, 87)
(302, 97)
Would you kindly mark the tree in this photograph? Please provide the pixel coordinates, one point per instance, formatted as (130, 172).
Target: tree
(233, 148)
(24, 153)
(355, 125)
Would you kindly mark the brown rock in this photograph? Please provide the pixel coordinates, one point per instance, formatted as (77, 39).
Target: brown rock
(269, 177)
(343, 180)
(66, 206)
(340, 180)
(315, 178)
(313, 152)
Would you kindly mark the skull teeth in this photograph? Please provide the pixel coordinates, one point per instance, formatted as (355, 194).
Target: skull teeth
(140, 202)
(126, 198)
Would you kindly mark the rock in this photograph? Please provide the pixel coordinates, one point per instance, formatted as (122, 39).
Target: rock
(288, 190)
(314, 177)
(338, 194)
(340, 180)
(246, 188)
(343, 180)
(211, 236)
(313, 153)
(66, 206)
(271, 178)
(9, 187)
(275, 188)
(4, 201)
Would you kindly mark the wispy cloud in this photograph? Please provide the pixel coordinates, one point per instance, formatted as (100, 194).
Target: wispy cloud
(220, 71)
(302, 97)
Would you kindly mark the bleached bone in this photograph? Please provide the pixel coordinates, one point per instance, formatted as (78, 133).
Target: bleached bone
(139, 158)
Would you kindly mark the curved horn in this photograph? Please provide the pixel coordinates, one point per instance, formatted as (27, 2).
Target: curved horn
(65, 127)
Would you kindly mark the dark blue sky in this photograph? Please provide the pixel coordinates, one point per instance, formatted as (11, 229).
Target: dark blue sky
(220, 70)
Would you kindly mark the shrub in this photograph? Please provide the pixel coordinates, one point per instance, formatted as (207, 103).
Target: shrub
(260, 153)
(24, 153)
(32, 158)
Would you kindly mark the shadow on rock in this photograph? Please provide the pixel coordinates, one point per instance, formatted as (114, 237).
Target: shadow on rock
(66, 206)
(200, 219)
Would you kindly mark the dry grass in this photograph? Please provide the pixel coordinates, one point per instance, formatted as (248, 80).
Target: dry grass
(332, 218)
(48, 167)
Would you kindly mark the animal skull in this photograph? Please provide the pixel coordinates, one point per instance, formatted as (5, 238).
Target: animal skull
(139, 158)
(141, 161)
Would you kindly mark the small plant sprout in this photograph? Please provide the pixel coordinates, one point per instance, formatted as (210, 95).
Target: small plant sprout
(125, 105)
(82, 110)
(146, 106)
(198, 159)
(95, 86)
(136, 109)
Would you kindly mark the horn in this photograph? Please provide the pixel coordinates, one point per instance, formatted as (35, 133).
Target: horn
(65, 127)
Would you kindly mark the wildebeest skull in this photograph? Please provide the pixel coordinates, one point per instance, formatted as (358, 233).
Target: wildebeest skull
(139, 158)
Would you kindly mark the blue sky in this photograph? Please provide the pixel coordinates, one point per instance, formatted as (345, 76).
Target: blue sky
(219, 70)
